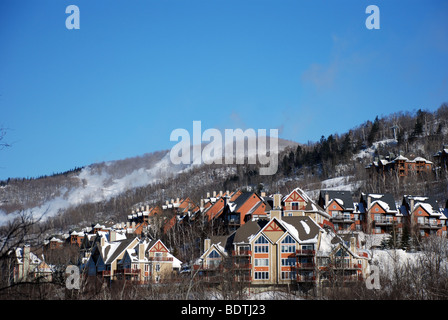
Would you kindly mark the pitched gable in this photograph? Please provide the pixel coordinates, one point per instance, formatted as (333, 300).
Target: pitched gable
(294, 196)
(274, 230)
(157, 246)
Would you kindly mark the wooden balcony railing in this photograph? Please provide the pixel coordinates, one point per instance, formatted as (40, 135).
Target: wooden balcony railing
(128, 271)
(305, 252)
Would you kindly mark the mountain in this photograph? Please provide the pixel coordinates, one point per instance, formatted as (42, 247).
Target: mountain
(99, 182)
(109, 189)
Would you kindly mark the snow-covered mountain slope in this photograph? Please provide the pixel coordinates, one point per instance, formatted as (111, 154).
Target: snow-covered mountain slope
(103, 181)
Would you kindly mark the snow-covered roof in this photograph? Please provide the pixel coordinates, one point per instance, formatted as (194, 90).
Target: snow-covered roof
(400, 157)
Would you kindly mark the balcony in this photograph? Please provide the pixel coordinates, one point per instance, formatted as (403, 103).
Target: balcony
(243, 265)
(430, 225)
(305, 265)
(243, 278)
(306, 278)
(340, 218)
(104, 273)
(128, 271)
(346, 266)
(302, 252)
(384, 222)
(168, 259)
(208, 267)
(241, 252)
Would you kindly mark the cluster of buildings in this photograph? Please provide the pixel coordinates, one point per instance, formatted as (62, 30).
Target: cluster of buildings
(400, 165)
(403, 166)
(263, 240)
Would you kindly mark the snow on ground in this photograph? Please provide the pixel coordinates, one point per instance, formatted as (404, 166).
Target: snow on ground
(339, 183)
(388, 260)
(369, 152)
(98, 186)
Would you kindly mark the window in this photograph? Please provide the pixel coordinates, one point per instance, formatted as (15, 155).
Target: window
(288, 239)
(262, 240)
(294, 206)
(157, 267)
(214, 255)
(261, 245)
(288, 275)
(288, 262)
(261, 275)
(262, 262)
(291, 247)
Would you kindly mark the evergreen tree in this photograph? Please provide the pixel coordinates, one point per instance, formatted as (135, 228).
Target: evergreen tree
(373, 131)
(405, 237)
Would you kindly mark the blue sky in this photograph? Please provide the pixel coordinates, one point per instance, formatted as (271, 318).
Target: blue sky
(137, 70)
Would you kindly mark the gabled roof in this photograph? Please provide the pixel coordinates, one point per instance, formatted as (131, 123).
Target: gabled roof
(249, 229)
(302, 228)
(238, 202)
(113, 250)
(385, 200)
(429, 204)
(305, 228)
(215, 209)
(300, 192)
(152, 243)
(343, 198)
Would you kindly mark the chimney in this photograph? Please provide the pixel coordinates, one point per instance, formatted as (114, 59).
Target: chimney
(207, 244)
(202, 204)
(141, 251)
(368, 215)
(263, 194)
(228, 193)
(276, 210)
(412, 205)
(277, 201)
(220, 193)
(112, 235)
(353, 244)
(133, 225)
(172, 200)
(102, 241)
(128, 224)
(177, 200)
(167, 202)
(208, 194)
(214, 194)
(26, 261)
(327, 199)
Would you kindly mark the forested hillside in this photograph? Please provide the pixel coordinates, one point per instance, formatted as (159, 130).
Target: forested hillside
(419, 133)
